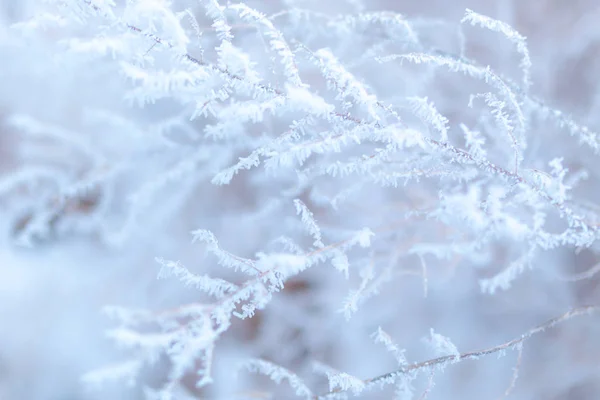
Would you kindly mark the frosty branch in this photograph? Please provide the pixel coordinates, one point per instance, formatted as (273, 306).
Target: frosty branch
(441, 362)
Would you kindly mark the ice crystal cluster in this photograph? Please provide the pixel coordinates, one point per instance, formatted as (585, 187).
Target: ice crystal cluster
(211, 199)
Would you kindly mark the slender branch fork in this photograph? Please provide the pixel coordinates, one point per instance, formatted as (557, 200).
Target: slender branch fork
(391, 377)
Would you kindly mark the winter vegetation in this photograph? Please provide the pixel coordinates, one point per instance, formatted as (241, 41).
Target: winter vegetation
(211, 199)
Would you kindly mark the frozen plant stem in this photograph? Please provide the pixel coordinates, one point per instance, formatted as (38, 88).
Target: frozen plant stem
(391, 377)
(576, 220)
(444, 146)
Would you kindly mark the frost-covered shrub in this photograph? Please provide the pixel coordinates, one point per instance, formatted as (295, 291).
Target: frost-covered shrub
(313, 184)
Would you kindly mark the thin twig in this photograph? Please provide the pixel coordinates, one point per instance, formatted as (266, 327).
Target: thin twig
(391, 377)
(515, 375)
(429, 385)
(587, 274)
